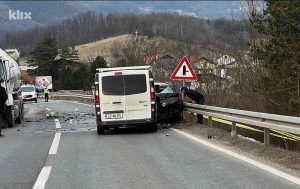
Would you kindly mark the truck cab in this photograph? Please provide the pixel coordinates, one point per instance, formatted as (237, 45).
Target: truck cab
(125, 97)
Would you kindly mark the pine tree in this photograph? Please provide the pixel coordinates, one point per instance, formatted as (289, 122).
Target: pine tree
(69, 53)
(65, 53)
(99, 62)
(43, 56)
(74, 54)
(279, 51)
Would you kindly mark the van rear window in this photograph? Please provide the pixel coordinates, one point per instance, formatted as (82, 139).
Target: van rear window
(115, 85)
(135, 84)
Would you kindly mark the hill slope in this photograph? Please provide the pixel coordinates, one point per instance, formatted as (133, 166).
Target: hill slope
(89, 51)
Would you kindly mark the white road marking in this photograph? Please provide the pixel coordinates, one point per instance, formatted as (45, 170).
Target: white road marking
(55, 143)
(267, 168)
(48, 109)
(42, 178)
(57, 124)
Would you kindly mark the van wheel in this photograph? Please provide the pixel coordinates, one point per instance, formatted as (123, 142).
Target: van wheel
(153, 127)
(100, 130)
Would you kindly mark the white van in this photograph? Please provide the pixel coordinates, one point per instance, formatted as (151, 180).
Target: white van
(125, 97)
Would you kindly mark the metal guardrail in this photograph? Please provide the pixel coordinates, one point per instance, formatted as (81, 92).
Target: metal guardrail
(71, 96)
(264, 120)
(279, 123)
(74, 95)
(71, 91)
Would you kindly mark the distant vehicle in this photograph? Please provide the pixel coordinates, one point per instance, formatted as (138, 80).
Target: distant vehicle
(29, 93)
(169, 103)
(125, 97)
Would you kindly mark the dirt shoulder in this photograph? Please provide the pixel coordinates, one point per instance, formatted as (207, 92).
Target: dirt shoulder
(282, 159)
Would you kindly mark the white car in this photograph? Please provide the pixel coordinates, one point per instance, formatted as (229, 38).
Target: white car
(125, 97)
(29, 93)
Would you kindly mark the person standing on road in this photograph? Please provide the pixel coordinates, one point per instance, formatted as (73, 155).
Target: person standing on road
(46, 93)
(3, 99)
(197, 97)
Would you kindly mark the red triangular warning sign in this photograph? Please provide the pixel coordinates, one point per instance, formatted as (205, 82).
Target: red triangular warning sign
(184, 71)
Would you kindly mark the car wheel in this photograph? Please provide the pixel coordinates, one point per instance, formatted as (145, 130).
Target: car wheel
(100, 130)
(177, 117)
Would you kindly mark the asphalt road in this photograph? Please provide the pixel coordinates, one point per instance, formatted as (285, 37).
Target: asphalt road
(119, 159)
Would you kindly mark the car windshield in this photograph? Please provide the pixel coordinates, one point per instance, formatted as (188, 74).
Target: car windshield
(168, 89)
(27, 89)
(164, 89)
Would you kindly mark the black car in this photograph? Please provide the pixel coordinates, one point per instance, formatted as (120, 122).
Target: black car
(169, 103)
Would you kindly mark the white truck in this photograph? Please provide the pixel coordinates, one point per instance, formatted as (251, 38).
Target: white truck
(10, 77)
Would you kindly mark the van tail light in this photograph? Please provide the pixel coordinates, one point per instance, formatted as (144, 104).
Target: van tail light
(152, 95)
(152, 92)
(97, 99)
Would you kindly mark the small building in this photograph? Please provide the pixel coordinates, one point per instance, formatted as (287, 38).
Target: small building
(25, 77)
(224, 63)
(203, 65)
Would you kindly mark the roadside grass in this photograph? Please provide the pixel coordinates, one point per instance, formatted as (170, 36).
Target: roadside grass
(276, 156)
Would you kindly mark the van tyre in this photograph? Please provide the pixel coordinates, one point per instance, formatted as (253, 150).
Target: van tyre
(153, 127)
(100, 130)
(10, 117)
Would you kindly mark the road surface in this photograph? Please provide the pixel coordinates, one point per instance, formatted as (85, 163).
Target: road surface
(119, 159)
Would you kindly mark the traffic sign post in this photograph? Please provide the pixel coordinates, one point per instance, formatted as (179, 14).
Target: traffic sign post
(184, 71)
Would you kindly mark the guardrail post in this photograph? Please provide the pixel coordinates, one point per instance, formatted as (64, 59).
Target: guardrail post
(266, 136)
(233, 129)
(210, 123)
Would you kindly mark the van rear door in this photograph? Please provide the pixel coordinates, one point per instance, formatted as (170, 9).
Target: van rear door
(137, 95)
(112, 98)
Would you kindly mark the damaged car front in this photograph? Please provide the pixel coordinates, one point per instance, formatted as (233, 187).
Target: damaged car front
(169, 103)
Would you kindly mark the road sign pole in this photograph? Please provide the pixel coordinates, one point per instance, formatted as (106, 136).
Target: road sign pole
(182, 94)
